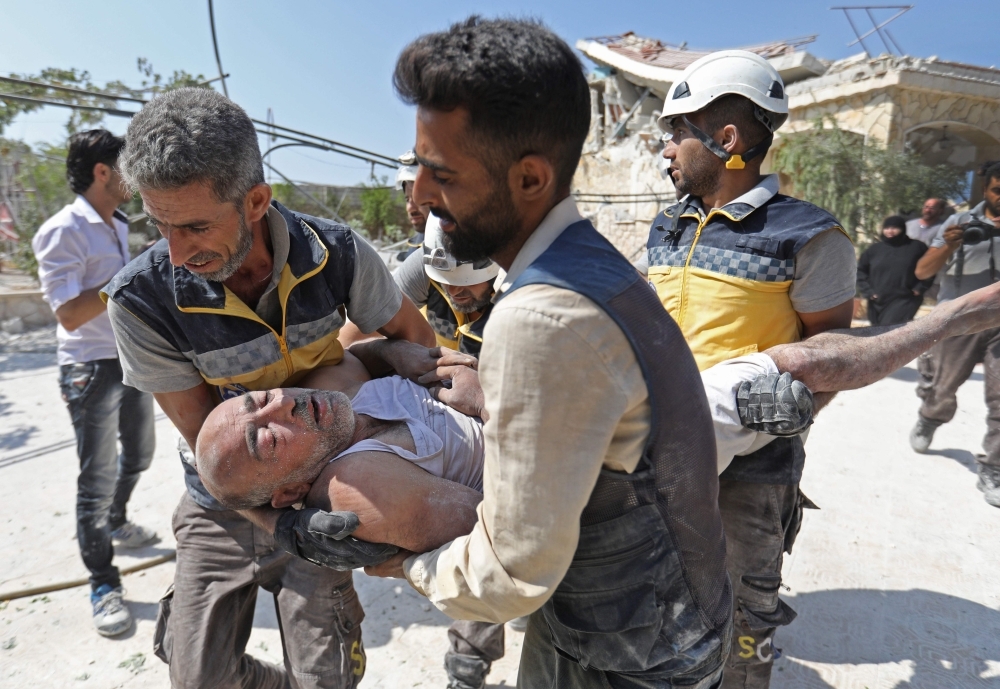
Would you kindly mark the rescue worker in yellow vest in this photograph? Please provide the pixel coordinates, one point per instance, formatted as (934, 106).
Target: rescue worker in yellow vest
(741, 268)
(405, 176)
(456, 297)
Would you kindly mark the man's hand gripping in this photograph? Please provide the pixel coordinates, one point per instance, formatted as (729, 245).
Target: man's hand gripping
(455, 381)
(775, 404)
(324, 538)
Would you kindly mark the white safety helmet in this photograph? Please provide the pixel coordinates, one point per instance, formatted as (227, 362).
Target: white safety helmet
(441, 266)
(407, 172)
(723, 73)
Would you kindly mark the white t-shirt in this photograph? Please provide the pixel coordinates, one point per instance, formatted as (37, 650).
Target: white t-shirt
(449, 444)
(721, 384)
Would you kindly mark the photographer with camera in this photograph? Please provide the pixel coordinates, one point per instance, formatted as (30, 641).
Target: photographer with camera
(965, 248)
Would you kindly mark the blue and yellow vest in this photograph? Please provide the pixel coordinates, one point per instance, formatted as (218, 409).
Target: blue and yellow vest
(725, 276)
(453, 329)
(229, 344)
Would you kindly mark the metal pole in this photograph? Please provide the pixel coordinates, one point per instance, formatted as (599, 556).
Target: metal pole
(215, 44)
(333, 216)
(395, 163)
(68, 89)
(39, 101)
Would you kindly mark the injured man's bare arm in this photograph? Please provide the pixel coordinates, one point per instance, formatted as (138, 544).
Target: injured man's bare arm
(411, 467)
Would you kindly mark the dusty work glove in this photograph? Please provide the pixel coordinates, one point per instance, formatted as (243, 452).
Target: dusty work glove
(324, 539)
(775, 404)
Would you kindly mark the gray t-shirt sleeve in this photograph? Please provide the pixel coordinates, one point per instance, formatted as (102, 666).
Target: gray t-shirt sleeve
(149, 362)
(412, 279)
(938, 240)
(375, 299)
(826, 271)
(642, 263)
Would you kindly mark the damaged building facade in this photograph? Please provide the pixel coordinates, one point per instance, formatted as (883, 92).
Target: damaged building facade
(945, 112)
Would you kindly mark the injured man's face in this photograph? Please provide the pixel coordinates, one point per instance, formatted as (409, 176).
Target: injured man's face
(260, 446)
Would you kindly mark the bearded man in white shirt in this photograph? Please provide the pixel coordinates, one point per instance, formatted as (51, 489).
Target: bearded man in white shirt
(79, 250)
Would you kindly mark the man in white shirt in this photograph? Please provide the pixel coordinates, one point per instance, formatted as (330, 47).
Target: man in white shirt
(79, 250)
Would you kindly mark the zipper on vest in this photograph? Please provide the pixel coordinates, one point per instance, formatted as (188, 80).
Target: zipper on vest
(684, 277)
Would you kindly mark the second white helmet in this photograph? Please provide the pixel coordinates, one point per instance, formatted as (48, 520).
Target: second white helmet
(442, 267)
(407, 172)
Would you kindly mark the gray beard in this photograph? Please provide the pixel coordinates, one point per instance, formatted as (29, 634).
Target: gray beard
(474, 306)
(244, 243)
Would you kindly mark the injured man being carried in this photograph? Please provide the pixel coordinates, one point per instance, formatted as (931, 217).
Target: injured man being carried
(411, 467)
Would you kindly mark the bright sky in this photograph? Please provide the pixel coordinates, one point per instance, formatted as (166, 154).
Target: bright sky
(325, 67)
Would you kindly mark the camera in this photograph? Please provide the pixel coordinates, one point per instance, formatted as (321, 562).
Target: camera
(976, 231)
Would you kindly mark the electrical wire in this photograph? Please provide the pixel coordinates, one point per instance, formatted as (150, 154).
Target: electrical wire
(215, 44)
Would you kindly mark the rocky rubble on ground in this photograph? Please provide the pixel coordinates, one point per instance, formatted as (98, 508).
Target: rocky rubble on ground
(38, 340)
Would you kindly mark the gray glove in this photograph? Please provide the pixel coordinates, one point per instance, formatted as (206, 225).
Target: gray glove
(324, 539)
(776, 405)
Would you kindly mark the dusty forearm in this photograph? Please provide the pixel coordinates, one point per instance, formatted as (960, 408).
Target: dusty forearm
(81, 310)
(851, 359)
(376, 355)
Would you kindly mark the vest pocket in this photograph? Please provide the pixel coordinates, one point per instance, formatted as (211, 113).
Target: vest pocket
(613, 630)
(624, 605)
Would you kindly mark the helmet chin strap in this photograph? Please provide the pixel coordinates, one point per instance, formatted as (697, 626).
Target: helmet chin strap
(733, 161)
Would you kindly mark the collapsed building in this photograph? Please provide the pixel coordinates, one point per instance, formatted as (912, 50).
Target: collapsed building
(945, 112)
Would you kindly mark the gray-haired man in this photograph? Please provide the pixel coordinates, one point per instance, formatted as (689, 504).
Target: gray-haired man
(242, 295)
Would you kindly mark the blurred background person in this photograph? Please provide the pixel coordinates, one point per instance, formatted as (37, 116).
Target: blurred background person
(79, 250)
(964, 249)
(925, 228)
(886, 275)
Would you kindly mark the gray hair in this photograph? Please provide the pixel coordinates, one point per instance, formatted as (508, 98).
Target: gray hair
(192, 135)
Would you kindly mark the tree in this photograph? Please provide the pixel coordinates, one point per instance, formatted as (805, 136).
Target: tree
(382, 212)
(151, 84)
(861, 182)
(33, 181)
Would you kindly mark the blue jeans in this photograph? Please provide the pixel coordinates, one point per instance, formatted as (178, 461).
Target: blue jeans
(104, 411)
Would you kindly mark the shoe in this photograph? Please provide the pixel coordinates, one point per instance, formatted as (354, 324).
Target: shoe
(989, 483)
(111, 615)
(465, 671)
(519, 624)
(922, 434)
(130, 535)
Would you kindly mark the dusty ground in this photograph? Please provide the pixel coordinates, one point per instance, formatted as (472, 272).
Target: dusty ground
(894, 579)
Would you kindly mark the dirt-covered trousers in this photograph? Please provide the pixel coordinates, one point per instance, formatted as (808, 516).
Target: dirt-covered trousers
(761, 521)
(472, 648)
(948, 365)
(206, 616)
(104, 410)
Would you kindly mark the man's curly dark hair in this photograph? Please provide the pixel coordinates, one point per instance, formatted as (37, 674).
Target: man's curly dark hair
(87, 149)
(523, 87)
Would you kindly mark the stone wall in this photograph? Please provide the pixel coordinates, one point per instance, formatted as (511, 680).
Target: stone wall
(26, 305)
(627, 167)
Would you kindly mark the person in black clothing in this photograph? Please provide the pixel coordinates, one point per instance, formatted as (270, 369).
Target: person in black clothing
(886, 275)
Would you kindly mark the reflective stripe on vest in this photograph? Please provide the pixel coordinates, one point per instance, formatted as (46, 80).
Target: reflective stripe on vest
(229, 344)
(725, 277)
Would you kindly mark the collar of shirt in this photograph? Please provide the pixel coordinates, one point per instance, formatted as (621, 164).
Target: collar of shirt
(978, 211)
(279, 244)
(744, 205)
(120, 223)
(562, 215)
